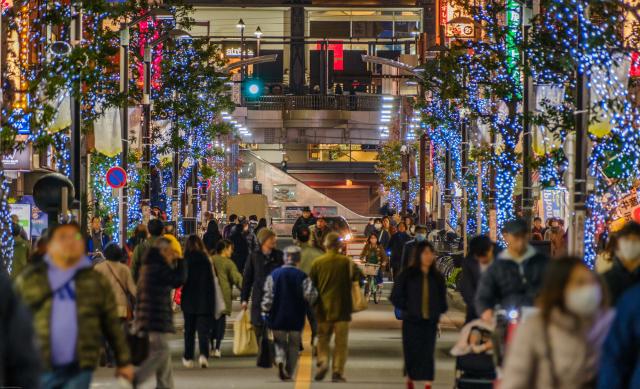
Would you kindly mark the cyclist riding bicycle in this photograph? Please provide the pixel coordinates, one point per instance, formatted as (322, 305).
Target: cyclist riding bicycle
(373, 253)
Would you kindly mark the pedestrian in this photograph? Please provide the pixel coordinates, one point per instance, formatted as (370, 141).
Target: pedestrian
(228, 277)
(19, 358)
(212, 236)
(625, 271)
(73, 308)
(37, 255)
(537, 231)
(197, 302)
(410, 225)
(375, 254)
(262, 223)
(228, 229)
(241, 249)
(156, 229)
(140, 234)
(162, 271)
(606, 258)
(396, 245)
(118, 274)
(388, 224)
(318, 232)
(21, 249)
(306, 219)
(308, 255)
(409, 247)
(333, 275)
(98, 239)
(473, 266)
(513, 280)
(369, 228)
(420, 294)
(559, 345)
(260, 264)
(383, 235)
(249, 235)
(288, 292)
(556, 235)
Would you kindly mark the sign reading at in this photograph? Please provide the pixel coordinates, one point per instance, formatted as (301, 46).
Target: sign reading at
(116, 177)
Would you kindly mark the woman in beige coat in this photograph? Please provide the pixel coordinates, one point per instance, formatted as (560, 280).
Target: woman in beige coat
(119, 277)
(559, 345)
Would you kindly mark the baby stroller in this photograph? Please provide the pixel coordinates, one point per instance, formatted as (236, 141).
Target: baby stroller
(475, 367)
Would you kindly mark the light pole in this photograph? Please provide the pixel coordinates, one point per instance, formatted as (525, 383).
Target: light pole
(258, 34)
(241, 26)
(157, 14)
(174, 34)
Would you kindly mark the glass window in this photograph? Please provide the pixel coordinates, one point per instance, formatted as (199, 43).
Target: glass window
(321, 29)
(380, 29)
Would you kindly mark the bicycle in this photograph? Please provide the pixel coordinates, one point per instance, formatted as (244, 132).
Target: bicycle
(371, 288)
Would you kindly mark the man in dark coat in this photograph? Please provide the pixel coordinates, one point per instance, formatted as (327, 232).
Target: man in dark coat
(396, 246)
(241, 248)
(625, 272)
(259, 266)
(478, 260)
(307, 219)
(409, 247)
(19, 362)
(515, 277)
(162, 270)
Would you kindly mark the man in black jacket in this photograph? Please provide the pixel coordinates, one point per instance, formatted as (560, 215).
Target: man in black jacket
(259, 266)
(307, 219)
(625, 271)
(514, 278)
(19, 359)
(396, 246)
(478, 260)
(162, 270)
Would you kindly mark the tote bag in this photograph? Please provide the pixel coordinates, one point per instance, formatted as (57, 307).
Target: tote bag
(221, 306)
(358, 301)
(244, 339)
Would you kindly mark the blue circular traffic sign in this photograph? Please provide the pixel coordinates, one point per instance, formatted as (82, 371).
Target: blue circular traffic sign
(116, 177)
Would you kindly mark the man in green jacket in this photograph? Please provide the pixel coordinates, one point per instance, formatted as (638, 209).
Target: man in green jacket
(333, 275)
(20, 251)
(63, 287)
(156, 229)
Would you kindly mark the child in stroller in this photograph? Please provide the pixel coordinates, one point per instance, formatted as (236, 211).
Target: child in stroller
(475, 367)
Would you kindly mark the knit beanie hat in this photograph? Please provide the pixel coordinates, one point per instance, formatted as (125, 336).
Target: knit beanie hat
(265, 234)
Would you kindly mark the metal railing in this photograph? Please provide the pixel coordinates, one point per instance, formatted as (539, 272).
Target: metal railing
(315, 102)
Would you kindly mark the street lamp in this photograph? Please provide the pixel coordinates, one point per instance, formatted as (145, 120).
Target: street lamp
(175, 34)
(258, 34)
(241, 26)
(156, 14)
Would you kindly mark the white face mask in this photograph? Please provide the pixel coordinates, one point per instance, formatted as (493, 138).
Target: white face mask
(377, 226)
(583, 301)
(628, 250)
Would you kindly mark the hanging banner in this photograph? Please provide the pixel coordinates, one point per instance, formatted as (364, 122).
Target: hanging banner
(554, 203)
(108, 133)
(608, 84)
(547, 96)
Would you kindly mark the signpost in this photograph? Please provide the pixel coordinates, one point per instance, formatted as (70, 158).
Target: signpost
(116, 177)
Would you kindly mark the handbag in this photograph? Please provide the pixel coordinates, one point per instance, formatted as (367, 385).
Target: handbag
(266, 352)
(131, 300)
(220, 304)
(359, 303)
(138, 342)
(244, 338)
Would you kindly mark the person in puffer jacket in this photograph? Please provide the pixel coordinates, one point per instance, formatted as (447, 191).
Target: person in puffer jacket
(514, 278)
(288, 292)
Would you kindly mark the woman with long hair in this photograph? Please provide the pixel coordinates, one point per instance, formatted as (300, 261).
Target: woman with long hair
(374, 253)
(420, 295)
(228, 277)
(262, 223)
(198, 301)
(559, 345)
(212, 236)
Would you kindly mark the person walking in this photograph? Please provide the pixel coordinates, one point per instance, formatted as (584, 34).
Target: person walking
(559, 345)
(197, 302)
(19, 359)
(333, 275)
(396, 245)
(537, 231)
(420, 293)
(260, 264)
(241, 249)
(473, 266)
(98, 239)
(408, 251)
(212, 236)
(373, 252)
(21, 249)
(625, 271)
(156, 229)
(262, 223)
(513, 280)
(288, 292)
(124, 289)
(306, 219)
(228, 277)
(308, 255)
(140, 234)
(162, 271)
(73, 308)
(318, 233)
(383, 235)
(228, 229)
(556, 235)
(369, 228)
